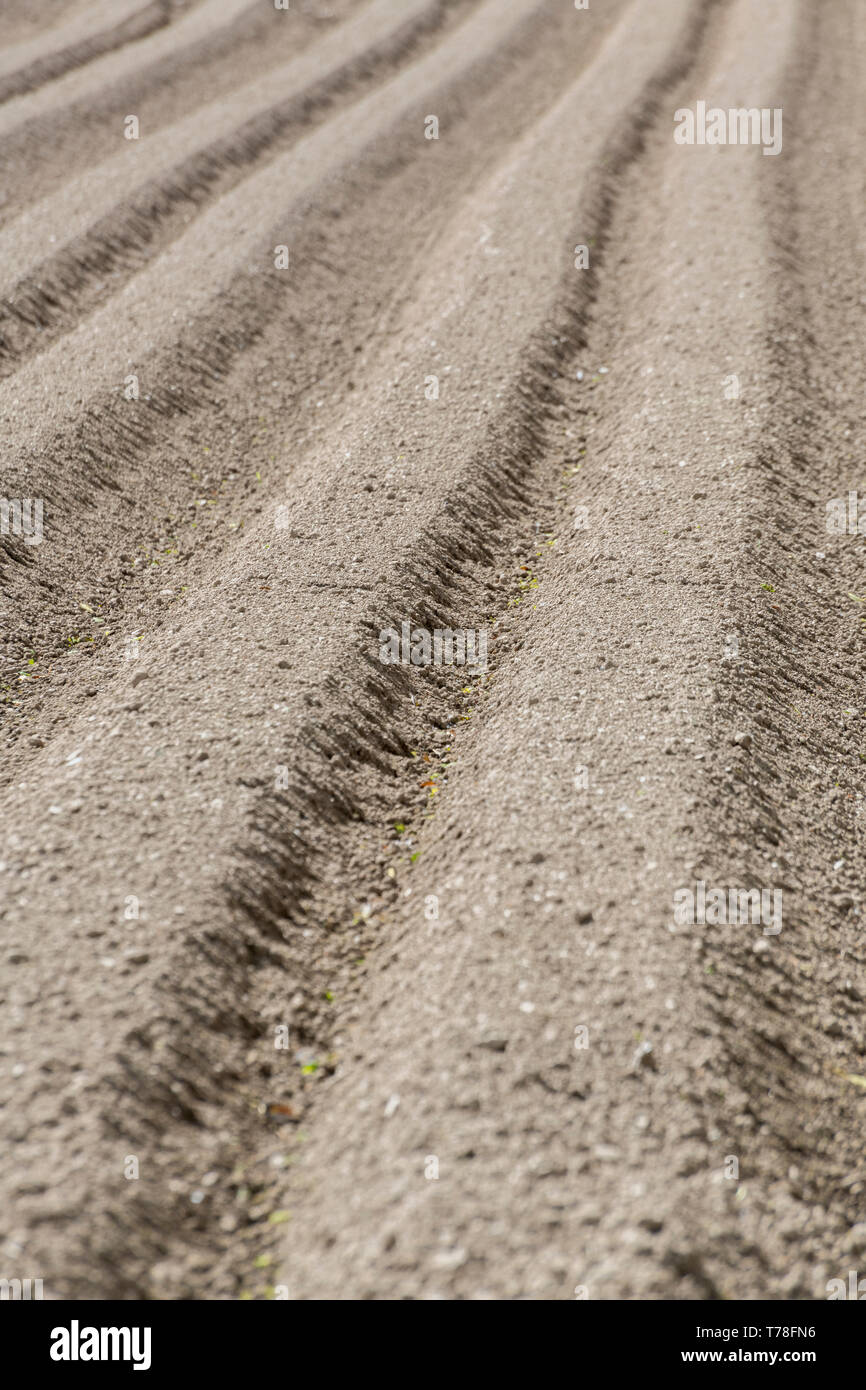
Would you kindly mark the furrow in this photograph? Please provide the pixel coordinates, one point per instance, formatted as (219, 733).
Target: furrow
(101, 28)
(121, 213)
(54, 134)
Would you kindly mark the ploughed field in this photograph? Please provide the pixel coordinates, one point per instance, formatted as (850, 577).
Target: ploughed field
(431, 621)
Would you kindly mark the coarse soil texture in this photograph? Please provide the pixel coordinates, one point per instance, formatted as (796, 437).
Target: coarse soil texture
(335, 966)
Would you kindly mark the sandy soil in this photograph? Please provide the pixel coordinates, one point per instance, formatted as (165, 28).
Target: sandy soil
(328, 977)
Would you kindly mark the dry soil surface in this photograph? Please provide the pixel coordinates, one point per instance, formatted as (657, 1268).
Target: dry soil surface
(329, 977)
